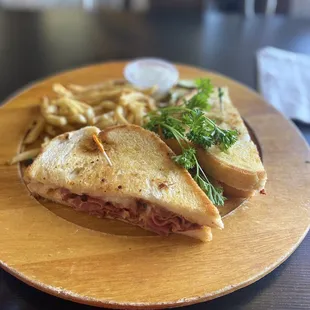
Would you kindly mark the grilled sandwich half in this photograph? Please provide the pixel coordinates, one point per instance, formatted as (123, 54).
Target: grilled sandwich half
(239, 170)
(141, 185)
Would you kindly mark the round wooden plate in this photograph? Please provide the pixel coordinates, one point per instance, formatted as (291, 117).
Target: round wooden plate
(74, 258)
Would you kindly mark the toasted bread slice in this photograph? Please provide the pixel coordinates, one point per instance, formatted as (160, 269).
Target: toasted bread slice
(142, 169)
(240, 168)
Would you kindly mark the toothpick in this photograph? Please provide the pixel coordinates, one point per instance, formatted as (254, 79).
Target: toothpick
(100, 146)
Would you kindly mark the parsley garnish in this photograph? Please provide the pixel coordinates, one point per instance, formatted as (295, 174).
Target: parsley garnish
(200, 100)
(188, 123)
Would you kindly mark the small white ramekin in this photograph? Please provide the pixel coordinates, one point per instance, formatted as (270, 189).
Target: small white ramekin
(147, 72)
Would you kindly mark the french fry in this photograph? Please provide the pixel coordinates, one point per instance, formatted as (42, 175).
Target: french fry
(80, 88)
(102, 95)
(77, 119)
(44, 106)
(90, 115)
(84, 105)
(72, 105)
(77, 105)
(151, 104)
(138, 113)
(65, 108)
(47, 107)
(77, 88)
(119, 115)
(104, 122)
(46, 140)
(61, 90)
(57, 121)
(24, 156)
(107, 105)
(52, 109)
(35, 131)
(147, 91)
(99, 86)
(127, 98)
(99, 118)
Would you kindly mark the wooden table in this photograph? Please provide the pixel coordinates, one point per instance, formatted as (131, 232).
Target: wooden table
(36, 44)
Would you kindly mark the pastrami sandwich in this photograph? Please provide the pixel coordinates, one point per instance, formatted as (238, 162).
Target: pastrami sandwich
(130, 176)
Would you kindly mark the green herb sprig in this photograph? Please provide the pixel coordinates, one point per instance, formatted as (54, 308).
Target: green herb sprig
(188, 123)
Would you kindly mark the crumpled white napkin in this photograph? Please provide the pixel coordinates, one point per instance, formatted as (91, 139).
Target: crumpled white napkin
(284, 81)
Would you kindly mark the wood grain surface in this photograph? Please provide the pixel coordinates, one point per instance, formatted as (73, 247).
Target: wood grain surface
(92, 267)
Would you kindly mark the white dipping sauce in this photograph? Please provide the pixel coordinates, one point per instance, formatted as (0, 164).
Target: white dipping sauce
(147, 72)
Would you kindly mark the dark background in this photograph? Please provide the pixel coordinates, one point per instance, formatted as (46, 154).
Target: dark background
(35, 44)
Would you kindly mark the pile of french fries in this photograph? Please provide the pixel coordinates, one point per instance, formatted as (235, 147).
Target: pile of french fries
(106, 104)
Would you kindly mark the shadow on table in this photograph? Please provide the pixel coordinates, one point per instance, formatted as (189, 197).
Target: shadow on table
(304, 128)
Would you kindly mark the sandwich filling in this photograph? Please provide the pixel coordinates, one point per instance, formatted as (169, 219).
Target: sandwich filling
(135, 211)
